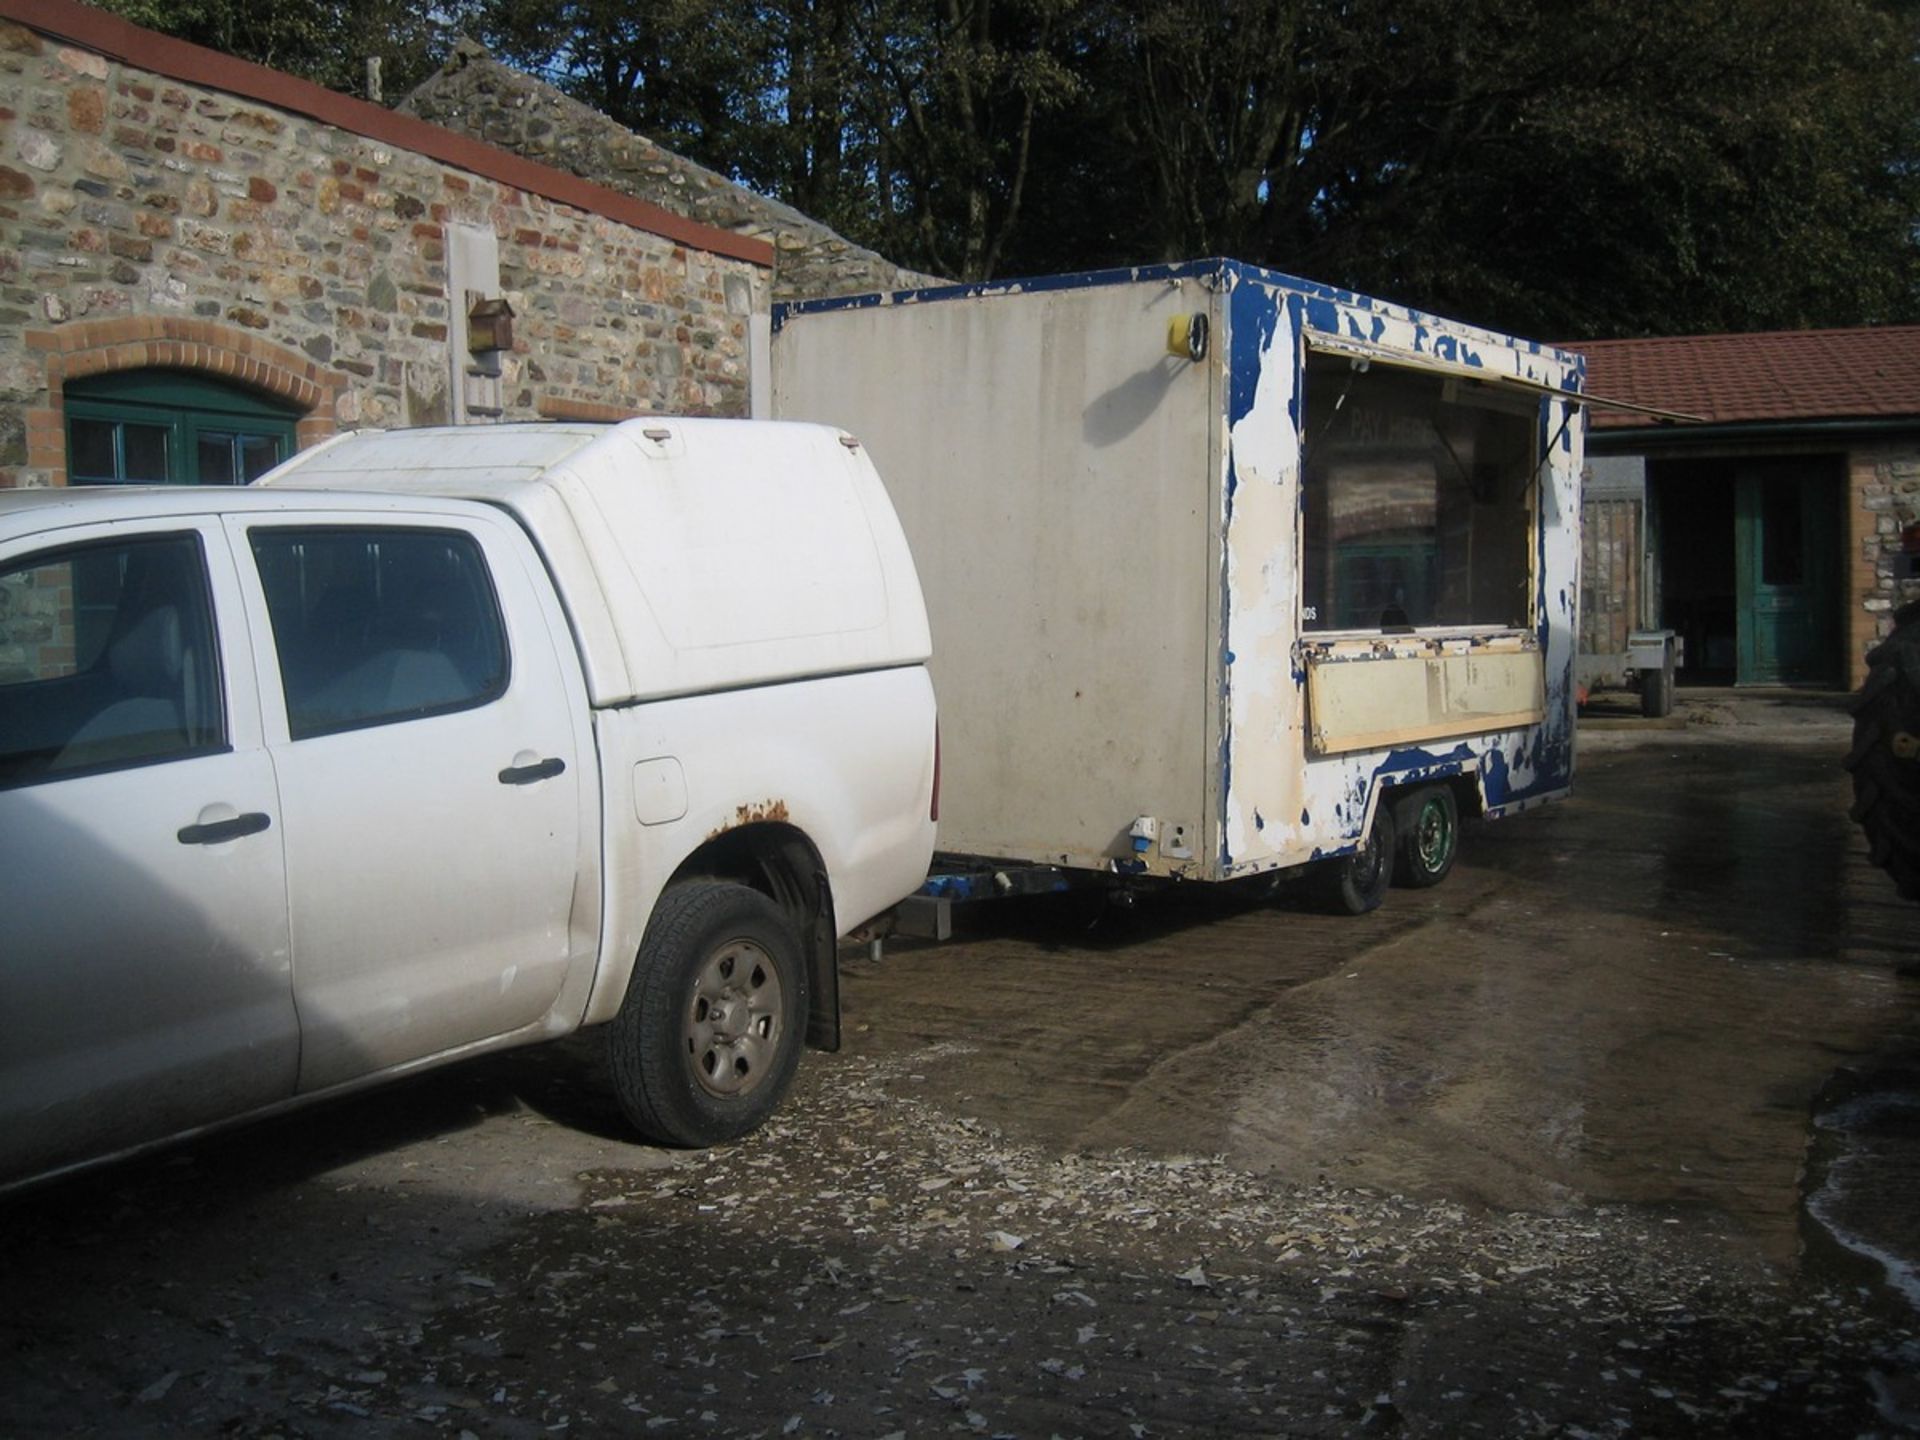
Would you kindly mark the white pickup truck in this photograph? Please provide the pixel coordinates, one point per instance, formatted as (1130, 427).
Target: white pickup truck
(437, 742)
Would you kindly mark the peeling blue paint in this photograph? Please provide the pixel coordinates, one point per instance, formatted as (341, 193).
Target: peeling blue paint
(1252, 320)
(1495, 779)
(1296, 316)
(1403, 763)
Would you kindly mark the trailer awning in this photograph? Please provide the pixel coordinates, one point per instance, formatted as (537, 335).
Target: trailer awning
(1361, 350)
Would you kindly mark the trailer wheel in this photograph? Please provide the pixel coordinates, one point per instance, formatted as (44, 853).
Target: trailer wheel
(1357, 883)
(1885, 759)
(1656, 693)
(1428, 821)
(710, 1032)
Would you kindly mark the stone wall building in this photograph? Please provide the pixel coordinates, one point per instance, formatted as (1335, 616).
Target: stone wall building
(1780, 527)
(204, 263)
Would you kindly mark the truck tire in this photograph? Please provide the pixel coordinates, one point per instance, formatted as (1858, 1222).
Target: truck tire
(710, 1032)
(1656, 693)
(1428, 821)
(1885, 759)
(1357, 883)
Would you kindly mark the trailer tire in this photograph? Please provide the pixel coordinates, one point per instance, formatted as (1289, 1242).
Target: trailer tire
(1428, 822)
(710, 1032)
(1656, 692)
(1357, 883)
(1885, 758)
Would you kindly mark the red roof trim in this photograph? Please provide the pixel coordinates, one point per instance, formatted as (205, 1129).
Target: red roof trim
(120, 40)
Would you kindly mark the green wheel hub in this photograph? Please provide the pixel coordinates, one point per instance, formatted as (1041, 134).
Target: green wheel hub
(1429, 824)
(1433, 835)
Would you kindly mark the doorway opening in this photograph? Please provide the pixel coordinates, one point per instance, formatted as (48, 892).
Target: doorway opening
(1751, 567)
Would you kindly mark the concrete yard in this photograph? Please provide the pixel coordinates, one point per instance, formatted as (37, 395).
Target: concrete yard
(1615, 1132)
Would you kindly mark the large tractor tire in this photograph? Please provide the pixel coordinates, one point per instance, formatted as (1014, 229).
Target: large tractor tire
(1885, 759)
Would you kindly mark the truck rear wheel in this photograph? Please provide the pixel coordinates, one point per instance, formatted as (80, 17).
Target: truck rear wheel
(710, 1032)
(1885, 759)
(1357, 883)
(1429, 824)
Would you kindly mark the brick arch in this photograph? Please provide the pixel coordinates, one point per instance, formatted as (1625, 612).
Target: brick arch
(203, 347)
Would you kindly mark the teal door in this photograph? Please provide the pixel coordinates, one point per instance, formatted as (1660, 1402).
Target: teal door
(1786, 534)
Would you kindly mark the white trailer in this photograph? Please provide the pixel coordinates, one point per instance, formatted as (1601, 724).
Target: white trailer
(1622, 645)
(1228, 572)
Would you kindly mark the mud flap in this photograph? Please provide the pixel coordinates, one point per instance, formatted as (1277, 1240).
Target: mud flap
(823, 989)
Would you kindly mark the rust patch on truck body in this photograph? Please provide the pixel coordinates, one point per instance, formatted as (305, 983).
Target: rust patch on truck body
(760, 812)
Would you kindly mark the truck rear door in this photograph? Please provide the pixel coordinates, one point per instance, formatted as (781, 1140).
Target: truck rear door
(426, 743)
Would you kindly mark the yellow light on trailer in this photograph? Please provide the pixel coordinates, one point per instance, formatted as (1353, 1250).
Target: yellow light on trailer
(1187, 337)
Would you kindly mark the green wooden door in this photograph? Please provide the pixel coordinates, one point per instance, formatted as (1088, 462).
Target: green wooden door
(1786, 527)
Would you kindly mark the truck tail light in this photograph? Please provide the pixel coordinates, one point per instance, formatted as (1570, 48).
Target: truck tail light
(933, 811)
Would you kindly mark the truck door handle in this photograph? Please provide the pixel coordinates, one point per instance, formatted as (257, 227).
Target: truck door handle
(528, 773)
(218, 831)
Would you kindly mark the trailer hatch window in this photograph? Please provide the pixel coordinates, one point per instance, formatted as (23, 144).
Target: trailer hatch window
(1419, 498)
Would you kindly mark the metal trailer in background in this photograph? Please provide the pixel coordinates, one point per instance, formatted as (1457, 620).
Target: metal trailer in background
(1229, 572)
(1622, 646)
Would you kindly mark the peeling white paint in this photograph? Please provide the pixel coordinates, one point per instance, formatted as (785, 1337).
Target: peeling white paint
(1283, 803)
(1261, 524)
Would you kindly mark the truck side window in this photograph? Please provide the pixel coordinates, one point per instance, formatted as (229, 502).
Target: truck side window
(378, 625)
(107, 658)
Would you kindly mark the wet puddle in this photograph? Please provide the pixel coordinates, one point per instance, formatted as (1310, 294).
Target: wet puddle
(1863, 1173)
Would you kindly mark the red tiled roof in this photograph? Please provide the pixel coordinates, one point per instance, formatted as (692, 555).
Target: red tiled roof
(1782, 375)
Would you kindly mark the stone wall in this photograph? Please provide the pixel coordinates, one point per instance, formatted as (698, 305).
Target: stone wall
(1886, 494)
(148, 221)
(477, 95)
